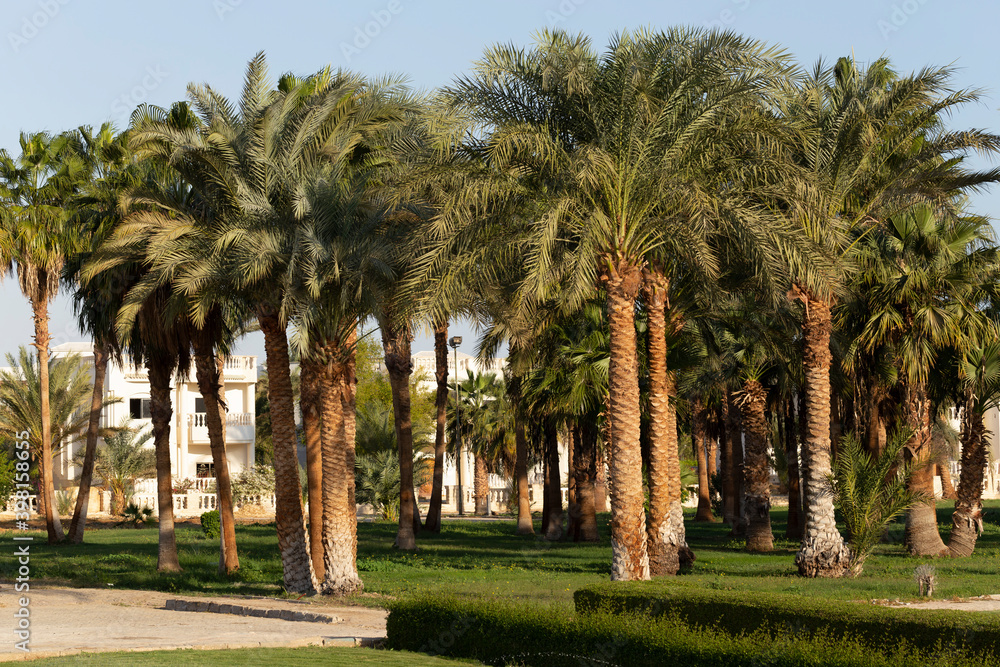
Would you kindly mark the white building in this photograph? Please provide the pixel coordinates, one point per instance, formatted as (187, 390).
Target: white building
(190, 454)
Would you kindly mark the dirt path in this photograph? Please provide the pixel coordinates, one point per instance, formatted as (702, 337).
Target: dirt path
(66, 621)
(981, 603)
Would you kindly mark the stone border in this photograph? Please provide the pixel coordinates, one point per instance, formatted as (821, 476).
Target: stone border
(240, 610)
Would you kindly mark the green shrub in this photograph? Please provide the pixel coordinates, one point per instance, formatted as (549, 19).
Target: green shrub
(745, 612)
(136, 516)
(210, 524)
(504, 633)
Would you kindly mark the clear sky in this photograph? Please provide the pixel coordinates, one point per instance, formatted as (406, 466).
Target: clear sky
(70, 62)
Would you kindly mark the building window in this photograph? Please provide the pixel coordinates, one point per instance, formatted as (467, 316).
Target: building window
(199, 404)
(205, 469)
(138, 408)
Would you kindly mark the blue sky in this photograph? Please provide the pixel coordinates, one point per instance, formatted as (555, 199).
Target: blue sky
(70, 62)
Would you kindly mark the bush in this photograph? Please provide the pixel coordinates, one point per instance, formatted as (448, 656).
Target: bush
(210, 524)
(136, 516)
(252, 482)
(502, 633)
(746, 612)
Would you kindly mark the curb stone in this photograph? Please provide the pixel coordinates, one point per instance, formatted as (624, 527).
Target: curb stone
(241, 610)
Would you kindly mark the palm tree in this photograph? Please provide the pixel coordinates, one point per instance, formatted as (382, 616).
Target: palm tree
(923, 273)
(21, 400)
(617, 145)
(981, 373)
(257, 190)
(110, 161)
(35, 241)
(865, 142)
(123, 459)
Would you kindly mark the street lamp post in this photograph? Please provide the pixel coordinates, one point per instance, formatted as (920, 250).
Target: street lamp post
(454, 342)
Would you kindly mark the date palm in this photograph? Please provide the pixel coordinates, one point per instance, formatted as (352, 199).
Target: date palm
(35, 240)
(866, 142)
(618, 140)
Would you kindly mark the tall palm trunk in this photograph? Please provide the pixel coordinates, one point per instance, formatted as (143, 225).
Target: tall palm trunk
(941, 470)
(40, 312)
(735, 430)
(295, 559)
(729, 513)
(481, 486)
(698, 441)
(585, 474)
(310, 382)
(79, 522)
(349, 405)
(823, 552)
(340, 543)
(661, 537)
(159, 368)
(433, 522)
(757, 468)
(601, 485)
(921, 534)
(628, 517)
(967, 520)
(553, 482)
(396, 344)
(524, 523)
(793, 529)
(209, 379)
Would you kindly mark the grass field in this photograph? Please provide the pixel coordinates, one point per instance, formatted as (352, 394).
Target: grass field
(485, 558)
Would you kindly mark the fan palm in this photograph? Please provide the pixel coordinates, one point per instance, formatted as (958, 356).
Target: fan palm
(35, 240)
(123, 459)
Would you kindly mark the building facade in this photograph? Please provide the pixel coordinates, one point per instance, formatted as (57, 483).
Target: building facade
(126, 395)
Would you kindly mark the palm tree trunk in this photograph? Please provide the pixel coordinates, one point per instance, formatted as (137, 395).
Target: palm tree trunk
(524, 522)
(40, 312)
(698, 438)
(823, 552)
(295, 559)
(941, 470)
(159, 369)
(628, 518)
(661, 534)
(585, 474)
(601, 483)
(310, 382)
(793, 529)
(79, 522)
(481, 485)
(575, 435)
(967, 520)
(398, 362)
(349, 405)
(340, 542)
(921, 535)
(554, 526)
(210, 385)
(433, 522)
(757, 468)
(735, 430)
(728, 479)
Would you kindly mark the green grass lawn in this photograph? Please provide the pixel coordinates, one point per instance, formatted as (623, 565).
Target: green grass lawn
(478, 558)
(258, 657)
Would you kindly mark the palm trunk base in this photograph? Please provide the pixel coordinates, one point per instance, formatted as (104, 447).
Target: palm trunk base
(341, 572)
(824, 555)
(921, 536)
(967, 526)
(667, 547)
(760, 539)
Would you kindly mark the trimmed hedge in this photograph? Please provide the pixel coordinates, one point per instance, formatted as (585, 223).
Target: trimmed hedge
(504, 633)
(745, 612)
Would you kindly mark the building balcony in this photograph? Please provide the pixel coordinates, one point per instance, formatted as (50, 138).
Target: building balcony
(239, 428)
(235, 369)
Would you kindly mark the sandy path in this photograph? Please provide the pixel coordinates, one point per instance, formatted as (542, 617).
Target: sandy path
(66, 621)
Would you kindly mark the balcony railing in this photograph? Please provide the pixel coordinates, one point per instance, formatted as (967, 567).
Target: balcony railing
(236, 368)
(197, 419)
(239, 427)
